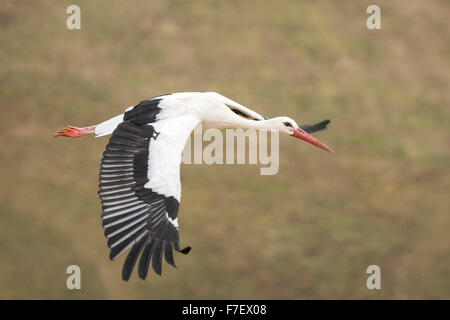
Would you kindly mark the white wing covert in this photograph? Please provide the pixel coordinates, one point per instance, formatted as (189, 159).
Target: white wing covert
(140, 187)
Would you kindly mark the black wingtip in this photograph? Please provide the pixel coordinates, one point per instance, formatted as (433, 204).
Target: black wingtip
(185, 250)
(168, 255)
(321, 125)
(132, 257)
(157, 256)
(144, 261)
(316, 127)
(142, 273)
(143, 277)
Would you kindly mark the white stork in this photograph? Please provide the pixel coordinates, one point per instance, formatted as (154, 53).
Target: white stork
(140, 171)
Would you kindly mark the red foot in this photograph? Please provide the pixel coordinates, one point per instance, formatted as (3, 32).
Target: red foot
(74, 132)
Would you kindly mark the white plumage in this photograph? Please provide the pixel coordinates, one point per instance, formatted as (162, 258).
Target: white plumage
(164, 176)
(140, 185)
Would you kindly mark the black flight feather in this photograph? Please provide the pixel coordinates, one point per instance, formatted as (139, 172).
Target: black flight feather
(131, 259)
(316, 127)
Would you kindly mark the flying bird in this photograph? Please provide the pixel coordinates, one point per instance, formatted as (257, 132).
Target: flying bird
(140, 185)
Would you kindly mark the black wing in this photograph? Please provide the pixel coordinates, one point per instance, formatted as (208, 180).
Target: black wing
(316, 127)
(135, 216)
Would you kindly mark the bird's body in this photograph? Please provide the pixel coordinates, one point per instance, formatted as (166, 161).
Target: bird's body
(140, 185)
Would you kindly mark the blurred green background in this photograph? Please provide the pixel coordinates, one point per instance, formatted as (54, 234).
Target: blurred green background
(308, 232)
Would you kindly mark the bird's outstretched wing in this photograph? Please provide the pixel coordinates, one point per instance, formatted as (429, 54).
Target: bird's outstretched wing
(140, 191)
(315, 127)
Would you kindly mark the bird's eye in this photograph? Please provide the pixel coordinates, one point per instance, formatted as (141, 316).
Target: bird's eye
(287, 124)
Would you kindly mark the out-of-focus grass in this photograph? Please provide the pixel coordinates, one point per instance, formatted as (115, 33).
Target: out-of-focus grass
(308, 232)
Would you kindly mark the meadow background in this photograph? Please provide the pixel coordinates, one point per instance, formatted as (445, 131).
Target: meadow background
(308, 232)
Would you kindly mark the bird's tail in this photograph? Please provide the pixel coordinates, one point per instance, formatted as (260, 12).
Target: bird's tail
(108, 126)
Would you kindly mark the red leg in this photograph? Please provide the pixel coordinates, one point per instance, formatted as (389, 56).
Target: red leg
(75, 132)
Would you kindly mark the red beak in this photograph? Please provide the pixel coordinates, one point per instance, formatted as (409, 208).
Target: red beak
(302, 134)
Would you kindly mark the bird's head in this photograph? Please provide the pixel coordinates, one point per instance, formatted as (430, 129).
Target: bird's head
(289, 127)
(218, 109)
